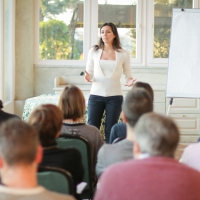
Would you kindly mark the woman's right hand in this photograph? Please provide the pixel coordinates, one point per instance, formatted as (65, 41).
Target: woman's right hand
(87, 76)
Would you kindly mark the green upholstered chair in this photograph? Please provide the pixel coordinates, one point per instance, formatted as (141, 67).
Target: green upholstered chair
(82, 144)
(55, 179)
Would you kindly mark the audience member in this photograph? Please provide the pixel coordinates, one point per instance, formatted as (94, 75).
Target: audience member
(119, 130)
(137, 102)
(156, 174)
(72, 104)
(47, 119)
(20, 153)
(4, 115)
(191, 156)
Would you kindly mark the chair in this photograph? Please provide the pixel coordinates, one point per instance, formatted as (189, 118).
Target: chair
(118, 139)
(55, 179)
(82, 144)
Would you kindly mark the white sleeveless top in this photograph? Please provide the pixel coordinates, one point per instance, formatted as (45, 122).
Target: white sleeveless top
(107, 67)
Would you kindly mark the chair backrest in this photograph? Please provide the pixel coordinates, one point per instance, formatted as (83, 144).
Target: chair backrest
(82, 144)
(118, 139)
(55, 179)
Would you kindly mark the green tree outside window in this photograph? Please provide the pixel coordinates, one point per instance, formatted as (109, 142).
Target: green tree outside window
(57, 38)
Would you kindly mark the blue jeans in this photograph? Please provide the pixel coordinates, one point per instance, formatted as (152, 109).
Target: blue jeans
(96, 106)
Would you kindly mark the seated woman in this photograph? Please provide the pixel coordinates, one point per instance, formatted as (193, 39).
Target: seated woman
(47, 119)
(119, 130)
(72, 104)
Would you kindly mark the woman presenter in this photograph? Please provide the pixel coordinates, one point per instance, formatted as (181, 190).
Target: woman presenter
(105, 65)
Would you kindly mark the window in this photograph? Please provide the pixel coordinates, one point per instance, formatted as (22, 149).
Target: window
(160, 28)
(7, 51)
(162, 24)
(68, 29)
(61, 30)
(123, 14)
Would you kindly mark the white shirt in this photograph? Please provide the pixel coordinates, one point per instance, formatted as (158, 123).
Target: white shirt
(107, 67)
(108, 86)
(191, 156)
(37, 193)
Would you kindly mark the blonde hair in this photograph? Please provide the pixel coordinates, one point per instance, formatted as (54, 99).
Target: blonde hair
(72, 103)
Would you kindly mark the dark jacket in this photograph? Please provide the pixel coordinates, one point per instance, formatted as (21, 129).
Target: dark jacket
(5, 116)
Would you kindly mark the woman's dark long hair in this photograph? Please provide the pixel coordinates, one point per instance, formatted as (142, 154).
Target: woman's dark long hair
(116, 42)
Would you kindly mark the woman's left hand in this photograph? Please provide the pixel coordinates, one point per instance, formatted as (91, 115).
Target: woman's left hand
(130, 82)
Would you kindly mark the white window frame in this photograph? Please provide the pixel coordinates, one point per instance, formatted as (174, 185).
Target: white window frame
(139, 35)
(151, 61)
(8, 105)
(1, 51)
(90, 35)
(139, 31)
(12, 55)
(145, 35)
(196, 3)
(86, 44)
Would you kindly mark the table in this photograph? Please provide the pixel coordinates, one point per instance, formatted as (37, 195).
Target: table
(32, 103)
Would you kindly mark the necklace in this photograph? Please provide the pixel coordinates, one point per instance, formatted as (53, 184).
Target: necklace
(73, 122)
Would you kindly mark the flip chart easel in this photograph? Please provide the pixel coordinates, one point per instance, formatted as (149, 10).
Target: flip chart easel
(183, 79)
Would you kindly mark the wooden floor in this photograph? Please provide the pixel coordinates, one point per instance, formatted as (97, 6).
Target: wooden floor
(179, 150)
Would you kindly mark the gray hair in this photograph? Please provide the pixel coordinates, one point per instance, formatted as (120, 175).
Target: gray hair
(156, 135)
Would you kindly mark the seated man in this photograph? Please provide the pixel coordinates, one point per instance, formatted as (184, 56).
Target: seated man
(47, 119)
(119, 130)
(4, 115)
(20, 153)
(191, 156)
(156, 174)
(137, 102)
